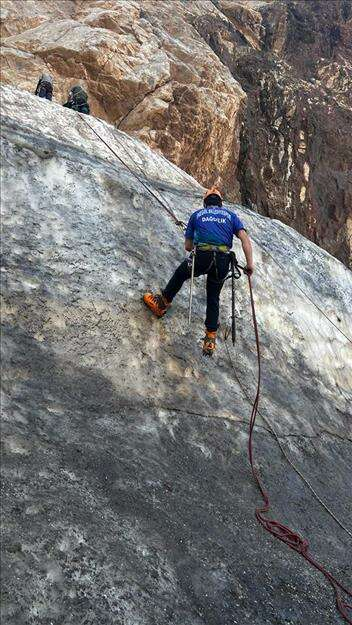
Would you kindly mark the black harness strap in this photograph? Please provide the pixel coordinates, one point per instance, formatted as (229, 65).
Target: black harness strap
(234, 274)
(233, 300)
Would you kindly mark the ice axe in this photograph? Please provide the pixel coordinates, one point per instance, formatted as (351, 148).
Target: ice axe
(234, 275)
(193, 258)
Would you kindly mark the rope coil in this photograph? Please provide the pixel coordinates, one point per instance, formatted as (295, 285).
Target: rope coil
(277, 529)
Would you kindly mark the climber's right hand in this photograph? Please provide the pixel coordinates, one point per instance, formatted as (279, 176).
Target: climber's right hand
(248, 270)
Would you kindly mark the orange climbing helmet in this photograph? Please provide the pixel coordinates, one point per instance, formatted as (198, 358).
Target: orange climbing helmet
(212, 191)
(212, 197)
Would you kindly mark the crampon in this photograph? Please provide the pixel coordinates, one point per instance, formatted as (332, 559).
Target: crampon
(209, 343)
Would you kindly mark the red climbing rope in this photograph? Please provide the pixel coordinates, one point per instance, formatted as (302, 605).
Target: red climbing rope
(277, 529)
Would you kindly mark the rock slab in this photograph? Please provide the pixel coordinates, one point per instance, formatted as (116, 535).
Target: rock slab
(127, 495)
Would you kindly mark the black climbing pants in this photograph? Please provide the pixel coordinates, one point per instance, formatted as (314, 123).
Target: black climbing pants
(216, 266)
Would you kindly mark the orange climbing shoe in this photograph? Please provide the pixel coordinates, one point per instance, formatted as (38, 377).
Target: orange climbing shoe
(209, 343)
(157, 303)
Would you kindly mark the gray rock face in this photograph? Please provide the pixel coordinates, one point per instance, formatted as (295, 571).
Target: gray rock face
(127, 494)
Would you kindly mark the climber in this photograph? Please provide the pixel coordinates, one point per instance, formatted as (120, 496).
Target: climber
(78, 100)
(44, 88)
(208, 236)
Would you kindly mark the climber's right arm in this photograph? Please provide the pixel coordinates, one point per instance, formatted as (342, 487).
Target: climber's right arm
(247, 249)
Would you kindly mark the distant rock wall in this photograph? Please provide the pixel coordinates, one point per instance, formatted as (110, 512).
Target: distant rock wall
(253, 95)
(296, 149)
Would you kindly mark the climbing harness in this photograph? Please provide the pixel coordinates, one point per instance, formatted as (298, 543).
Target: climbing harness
(191, 262)
(277, 529)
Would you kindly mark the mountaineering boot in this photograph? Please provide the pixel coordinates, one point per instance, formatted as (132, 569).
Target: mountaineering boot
(209, 343)
(157, 303)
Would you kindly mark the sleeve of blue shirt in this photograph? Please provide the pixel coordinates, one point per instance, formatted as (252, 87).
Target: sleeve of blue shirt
(189, 234)
(237, 224)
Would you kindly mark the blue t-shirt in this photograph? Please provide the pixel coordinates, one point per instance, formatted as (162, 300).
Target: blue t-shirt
(215, 225)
